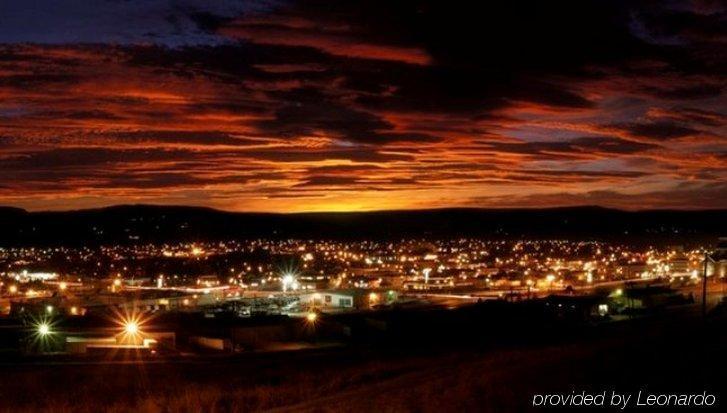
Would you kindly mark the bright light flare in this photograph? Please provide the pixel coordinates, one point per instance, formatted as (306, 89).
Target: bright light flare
(289, 282)
(43, 333)
(289, 278)
(311, 317)
(43, 329)
(131, 327)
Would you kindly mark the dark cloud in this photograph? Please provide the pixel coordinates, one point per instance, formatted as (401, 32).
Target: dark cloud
(342, 169)
(659, 131)
(181, 136)
(356, 155)
(69, 158)
(586, 174)
(27, 81)
(208, 22)
(691, 116)
(309, 112)
(689, 92)
(589, 145)
(84, 114)
(712, 195)
(327, 180)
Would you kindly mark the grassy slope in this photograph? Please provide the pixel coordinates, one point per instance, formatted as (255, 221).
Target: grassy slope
(656, 354)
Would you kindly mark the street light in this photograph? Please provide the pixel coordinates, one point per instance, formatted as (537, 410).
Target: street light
(131, 327)
(43, 329)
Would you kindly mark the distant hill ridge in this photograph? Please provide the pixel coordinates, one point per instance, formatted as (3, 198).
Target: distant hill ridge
(152, 223)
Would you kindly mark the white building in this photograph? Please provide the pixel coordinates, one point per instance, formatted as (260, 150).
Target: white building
(347, 298)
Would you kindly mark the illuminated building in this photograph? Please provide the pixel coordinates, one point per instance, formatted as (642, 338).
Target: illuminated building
(347, 298)
(717, 265)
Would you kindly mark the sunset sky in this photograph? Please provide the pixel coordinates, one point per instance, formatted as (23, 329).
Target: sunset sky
(334, 105)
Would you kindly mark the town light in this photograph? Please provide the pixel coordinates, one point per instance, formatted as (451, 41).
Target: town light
(43, 329)
(311, 317)
(426, 273)
(289, 282)
(131, 327)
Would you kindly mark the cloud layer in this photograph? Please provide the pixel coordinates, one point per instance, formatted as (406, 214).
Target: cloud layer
(312, 105)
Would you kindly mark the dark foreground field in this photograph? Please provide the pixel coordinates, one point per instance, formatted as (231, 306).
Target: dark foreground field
(661, 354)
